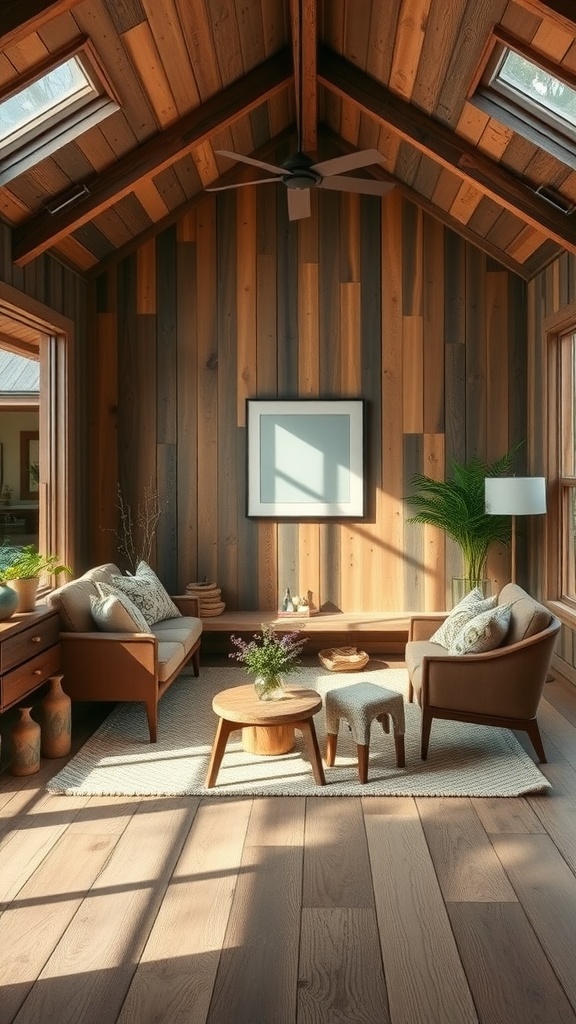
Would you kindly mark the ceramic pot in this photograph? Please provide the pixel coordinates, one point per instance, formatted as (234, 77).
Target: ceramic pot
(8, 601)
(56, 720)
(25, 745)
(269, 687)
(26, 591)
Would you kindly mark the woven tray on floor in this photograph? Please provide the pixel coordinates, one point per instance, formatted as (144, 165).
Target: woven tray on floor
(343, 659)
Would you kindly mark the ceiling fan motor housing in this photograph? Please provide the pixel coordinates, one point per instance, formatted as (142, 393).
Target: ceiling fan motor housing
(299, 172)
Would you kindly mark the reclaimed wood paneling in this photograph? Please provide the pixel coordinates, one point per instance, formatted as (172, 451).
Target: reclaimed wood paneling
(363, 299)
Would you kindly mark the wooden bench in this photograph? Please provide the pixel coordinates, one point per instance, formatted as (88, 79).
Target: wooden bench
(373, 632)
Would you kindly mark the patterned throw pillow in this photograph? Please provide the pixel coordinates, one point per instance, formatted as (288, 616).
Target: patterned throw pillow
(115, 613)
(471, 605)
(148, 594)
(483, 633)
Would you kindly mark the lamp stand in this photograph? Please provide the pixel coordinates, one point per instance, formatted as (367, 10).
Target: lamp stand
(513, 552)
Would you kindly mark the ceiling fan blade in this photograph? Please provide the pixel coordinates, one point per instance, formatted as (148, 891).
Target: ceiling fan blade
(241, 184)
(298, 203)
(349, 162)
(250, 160)
(365, 186)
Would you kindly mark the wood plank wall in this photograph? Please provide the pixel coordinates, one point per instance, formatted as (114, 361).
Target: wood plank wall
(365, 299)
(548, 294)
(61, 289)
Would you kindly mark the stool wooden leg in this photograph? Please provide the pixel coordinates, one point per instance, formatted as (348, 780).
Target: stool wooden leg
(363, 762)
(308, 731)
(331, 743)
(400, 756)
(223, 730)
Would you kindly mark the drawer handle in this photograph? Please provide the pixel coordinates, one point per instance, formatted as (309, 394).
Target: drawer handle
(35, 639)
(37, 672)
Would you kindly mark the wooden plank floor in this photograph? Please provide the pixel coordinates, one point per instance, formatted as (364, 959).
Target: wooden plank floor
(291, 910)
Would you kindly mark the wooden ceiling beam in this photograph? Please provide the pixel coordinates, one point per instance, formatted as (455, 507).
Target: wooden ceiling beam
(220, 111)
(444, 146)
(304, 48)
(21, 17)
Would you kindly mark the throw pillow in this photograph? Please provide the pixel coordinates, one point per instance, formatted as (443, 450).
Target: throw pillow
(483, 633)
(148, 594)
(471, 605)
(115, 613)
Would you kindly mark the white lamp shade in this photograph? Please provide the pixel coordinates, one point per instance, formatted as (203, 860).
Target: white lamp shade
(515, 495)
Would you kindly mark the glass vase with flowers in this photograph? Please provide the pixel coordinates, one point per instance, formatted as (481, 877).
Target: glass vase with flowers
(269, 657)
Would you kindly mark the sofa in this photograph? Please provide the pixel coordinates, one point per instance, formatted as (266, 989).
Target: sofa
(122, 666)
(499, 687)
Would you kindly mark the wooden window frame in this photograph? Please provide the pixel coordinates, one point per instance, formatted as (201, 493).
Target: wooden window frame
(57, 485)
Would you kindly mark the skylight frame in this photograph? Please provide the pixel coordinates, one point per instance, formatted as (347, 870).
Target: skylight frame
(518, 110)
(63, 122)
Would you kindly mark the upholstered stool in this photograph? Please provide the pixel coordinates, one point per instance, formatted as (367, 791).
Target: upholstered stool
(359, 704)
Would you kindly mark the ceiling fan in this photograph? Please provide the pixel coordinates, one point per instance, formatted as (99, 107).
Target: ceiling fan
(299, 173)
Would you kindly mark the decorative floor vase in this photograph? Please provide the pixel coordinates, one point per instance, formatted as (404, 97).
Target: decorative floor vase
(56, 720)
(8, 601)
(269, 687)
(25, 745)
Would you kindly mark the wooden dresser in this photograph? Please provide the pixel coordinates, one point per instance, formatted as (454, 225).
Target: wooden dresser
(29, 654)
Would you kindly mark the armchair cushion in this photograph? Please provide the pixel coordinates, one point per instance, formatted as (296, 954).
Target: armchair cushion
(484, 632)
(468, 608)
(528, 616)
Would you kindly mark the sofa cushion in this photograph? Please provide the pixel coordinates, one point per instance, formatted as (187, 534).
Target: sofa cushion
(468, 608)
(527, 615)
(116, 613)
(72, 600)
(170, 657)
(484, 632)
(186, 630)
(148, 594)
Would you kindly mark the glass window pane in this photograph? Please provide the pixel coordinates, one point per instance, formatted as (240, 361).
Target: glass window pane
(540, 86)
(569, 543)
(55, 91)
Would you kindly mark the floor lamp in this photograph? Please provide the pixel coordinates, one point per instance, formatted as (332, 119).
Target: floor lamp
(515, 496)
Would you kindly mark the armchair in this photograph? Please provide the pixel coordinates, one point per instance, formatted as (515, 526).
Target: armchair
(500, 687)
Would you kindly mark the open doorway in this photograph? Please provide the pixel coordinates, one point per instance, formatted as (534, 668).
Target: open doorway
(19, 448)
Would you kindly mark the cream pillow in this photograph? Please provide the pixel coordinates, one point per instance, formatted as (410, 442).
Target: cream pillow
(471, 605)
(148, 594)
(115, 613)
(484, 632)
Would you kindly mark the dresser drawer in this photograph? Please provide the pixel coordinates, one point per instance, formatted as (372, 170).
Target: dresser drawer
(29, 642)
(15, 685)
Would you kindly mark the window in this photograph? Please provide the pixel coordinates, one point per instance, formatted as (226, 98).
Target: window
(50, 108)
(567, 466)
(529, 94)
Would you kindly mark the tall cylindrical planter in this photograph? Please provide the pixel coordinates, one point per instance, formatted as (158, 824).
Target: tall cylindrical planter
(8, 601)
(56, 720)
(25, 745)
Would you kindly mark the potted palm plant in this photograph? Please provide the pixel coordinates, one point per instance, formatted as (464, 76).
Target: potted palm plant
(457, 506)
(23, 573)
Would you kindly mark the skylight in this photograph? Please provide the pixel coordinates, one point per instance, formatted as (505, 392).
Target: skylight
(524, 81)
(52, 106)
(49, 95)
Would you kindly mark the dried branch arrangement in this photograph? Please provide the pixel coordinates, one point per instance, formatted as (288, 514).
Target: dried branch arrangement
(137, 530)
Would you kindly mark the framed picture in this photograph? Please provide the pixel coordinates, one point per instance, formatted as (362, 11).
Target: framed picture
(305, 459)
(29, 465)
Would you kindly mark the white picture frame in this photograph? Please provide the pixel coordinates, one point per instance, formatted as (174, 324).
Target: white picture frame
(305, 459)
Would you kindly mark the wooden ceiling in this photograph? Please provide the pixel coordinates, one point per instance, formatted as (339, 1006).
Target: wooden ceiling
(196, 76)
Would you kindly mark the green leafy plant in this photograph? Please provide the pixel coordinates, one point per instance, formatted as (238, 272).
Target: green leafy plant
(267, 654)
(29, 563)
(456, 505)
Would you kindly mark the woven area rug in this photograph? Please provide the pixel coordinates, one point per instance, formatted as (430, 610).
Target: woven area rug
(463, 760)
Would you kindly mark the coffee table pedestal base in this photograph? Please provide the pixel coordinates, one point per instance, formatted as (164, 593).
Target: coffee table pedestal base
(272, 739)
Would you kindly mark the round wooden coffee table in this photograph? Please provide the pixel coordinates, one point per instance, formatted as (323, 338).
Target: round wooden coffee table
(240, 708)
